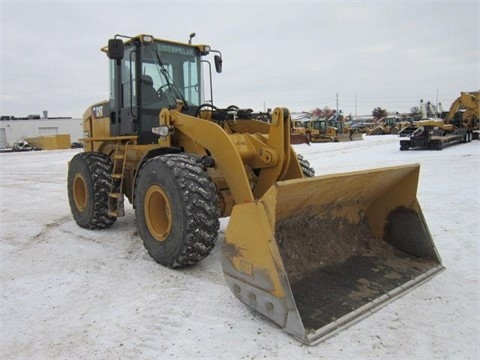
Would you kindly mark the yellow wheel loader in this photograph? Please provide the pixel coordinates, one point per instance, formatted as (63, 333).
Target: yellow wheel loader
(313, 254)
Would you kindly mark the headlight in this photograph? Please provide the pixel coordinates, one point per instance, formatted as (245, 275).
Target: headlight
(163, 130)
(204, 49)
(147, 39)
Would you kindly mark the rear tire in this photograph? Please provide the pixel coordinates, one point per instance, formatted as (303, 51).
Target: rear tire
(89, 180)
(436, 145)
(404, 145)
(176, 210)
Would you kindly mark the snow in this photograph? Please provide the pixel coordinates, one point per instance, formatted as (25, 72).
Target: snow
(70, 293)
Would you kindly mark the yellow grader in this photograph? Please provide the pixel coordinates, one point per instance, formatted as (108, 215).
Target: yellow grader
(313, 254)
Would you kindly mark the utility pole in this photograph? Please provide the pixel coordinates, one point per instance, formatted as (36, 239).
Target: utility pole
(336, 96)
(355, 106)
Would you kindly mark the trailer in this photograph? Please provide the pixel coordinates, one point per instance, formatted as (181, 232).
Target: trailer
(434, 138)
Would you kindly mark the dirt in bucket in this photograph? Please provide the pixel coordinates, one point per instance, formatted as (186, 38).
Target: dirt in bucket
(335, 267)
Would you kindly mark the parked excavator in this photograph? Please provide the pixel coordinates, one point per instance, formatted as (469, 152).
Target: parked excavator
(438, 129)
(465, 112)
(313, 254)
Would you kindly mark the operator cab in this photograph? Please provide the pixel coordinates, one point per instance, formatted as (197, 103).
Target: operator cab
(147, 75)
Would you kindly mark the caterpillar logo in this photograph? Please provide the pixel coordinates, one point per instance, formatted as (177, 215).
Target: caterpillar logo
(177, 50)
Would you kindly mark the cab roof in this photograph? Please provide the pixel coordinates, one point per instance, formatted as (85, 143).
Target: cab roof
(145, 38)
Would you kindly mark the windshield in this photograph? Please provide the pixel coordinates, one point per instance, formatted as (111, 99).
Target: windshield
(174, 70)
(320, 125)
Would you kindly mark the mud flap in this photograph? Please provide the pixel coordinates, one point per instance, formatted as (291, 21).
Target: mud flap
(316, 255)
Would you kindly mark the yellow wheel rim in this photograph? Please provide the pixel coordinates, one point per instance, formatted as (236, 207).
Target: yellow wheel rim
(158, 212)
(79, 192)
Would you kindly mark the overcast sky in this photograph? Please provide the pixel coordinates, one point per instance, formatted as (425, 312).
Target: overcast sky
(294, 54)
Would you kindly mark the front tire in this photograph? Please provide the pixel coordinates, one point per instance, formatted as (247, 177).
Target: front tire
(176, 210)
(89, 180)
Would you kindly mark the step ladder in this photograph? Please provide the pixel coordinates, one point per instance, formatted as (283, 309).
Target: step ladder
(115, 196)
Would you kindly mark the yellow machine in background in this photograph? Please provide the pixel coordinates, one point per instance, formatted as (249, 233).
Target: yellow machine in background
(319, 131)
(388, 125)
(459, 125)
(313, 254)
(298, 133)
(323, 130)
(465, 112)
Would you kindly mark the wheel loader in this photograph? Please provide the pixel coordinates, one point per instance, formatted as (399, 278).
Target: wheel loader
(313, 254)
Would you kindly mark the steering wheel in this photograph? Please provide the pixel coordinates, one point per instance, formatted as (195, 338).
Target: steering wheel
(164, 93)
(168, 94)
(160, 89)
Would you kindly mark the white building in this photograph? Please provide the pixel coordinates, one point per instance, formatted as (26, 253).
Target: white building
(12, 131)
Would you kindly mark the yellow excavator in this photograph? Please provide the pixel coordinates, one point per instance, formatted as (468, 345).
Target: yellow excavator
(465, 112)
(313, 254)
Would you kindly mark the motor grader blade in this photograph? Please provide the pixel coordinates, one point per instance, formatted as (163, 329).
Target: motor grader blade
(315, 255)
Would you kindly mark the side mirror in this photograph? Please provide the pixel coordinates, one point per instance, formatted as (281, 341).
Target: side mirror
(115, 49)
(218, 63)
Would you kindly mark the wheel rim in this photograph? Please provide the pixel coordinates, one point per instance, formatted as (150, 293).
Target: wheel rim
(158, 212)
(80, 192)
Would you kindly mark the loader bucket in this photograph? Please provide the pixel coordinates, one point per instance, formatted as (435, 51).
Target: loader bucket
(315, 255)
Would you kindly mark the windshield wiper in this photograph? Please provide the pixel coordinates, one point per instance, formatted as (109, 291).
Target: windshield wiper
(170, 82)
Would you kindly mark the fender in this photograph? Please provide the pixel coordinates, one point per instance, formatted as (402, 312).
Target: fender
(151, 154)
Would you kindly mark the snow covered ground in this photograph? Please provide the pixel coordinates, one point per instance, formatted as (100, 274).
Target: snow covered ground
(70, 293)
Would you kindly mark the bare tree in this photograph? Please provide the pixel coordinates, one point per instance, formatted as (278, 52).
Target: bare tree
(415, 111)
(379, 113)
